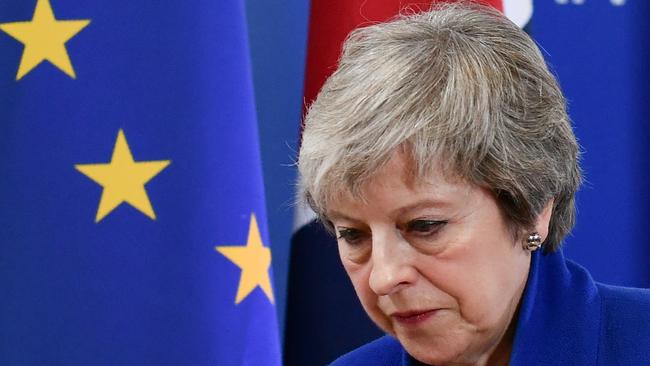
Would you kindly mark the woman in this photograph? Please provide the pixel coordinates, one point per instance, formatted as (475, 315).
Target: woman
(441, 156)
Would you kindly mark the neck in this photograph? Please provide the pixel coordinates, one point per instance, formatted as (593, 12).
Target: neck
(501, 354)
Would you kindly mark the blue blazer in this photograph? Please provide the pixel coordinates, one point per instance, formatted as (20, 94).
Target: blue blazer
(565, 319)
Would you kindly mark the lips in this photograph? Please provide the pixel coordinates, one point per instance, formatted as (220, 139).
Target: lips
(415, 317)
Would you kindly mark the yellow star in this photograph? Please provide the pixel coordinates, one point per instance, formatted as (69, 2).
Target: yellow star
(123, 179)
(44, 39)
(254, 259)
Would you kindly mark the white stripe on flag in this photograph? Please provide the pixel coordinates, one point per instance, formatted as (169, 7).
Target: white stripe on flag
(519, 11)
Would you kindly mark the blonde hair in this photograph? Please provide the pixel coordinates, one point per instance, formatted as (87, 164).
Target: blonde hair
(458, 87)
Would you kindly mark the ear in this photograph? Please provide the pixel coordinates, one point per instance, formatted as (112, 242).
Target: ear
(544, 219)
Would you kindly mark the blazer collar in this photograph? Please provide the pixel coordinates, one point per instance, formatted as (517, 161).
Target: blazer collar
(560, 315)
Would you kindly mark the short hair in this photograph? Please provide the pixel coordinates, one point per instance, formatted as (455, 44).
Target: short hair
(459, 87)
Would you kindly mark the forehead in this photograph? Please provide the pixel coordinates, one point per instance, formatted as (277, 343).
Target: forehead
(397, 186)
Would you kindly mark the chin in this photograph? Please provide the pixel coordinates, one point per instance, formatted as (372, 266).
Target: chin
(437, 349)
(431, 353)
(427, 345)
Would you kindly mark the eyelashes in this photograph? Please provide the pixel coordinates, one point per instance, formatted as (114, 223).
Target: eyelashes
(349, 235)
(425, 227)
(419, 228)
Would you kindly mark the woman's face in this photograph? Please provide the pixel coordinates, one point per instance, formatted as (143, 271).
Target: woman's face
(433, 263)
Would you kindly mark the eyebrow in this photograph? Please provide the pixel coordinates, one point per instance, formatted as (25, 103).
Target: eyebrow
(341, 216)
(427, 203)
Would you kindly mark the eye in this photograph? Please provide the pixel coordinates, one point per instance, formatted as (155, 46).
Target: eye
(425, 227)
(350, 236)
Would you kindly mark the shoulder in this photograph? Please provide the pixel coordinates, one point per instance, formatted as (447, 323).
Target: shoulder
(625, 315)
(625, 295)
(625, 305)
(385, 351)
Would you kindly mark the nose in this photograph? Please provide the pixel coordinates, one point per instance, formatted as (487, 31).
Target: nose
(392, 263)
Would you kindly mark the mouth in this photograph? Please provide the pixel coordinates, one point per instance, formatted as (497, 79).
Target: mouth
(412, 318)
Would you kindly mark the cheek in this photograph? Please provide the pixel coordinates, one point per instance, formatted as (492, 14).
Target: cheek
(360, 276)
(484, 283)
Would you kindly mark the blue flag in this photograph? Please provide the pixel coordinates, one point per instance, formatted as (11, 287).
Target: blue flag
(132, 212)
(599, 50)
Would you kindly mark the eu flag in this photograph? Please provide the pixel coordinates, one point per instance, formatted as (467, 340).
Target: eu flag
(132, 213)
